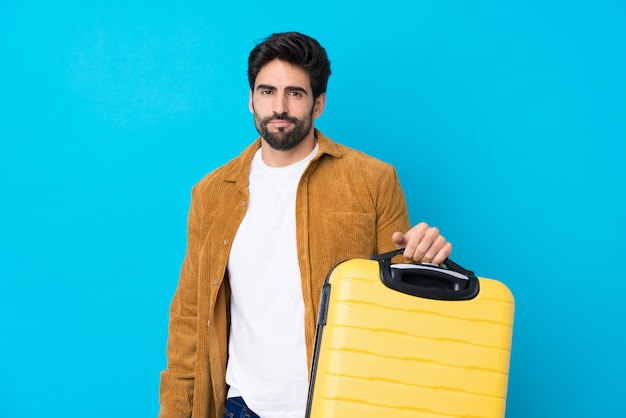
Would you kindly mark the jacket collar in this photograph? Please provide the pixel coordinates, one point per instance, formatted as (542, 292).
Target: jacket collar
(238, 170)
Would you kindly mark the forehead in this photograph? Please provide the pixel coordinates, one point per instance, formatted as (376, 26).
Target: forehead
(279, 73)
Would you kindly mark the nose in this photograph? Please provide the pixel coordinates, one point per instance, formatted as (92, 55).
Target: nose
(280, 104)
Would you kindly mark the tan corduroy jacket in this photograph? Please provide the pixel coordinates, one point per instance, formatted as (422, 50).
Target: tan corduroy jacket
(348, 205)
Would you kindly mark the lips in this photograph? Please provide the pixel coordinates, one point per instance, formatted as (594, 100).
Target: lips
(280, 123)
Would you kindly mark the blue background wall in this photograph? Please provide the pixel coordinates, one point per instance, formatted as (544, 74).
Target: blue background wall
(506, 121)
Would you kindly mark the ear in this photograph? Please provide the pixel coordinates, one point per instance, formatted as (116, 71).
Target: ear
(250, 105)
(318, 106)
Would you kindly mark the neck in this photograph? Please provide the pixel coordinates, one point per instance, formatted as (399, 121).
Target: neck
(277, 158)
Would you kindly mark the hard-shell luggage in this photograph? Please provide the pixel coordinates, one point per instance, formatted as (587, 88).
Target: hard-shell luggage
(410, 340)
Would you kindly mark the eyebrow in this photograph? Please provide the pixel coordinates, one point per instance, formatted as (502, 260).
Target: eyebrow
(292, 88)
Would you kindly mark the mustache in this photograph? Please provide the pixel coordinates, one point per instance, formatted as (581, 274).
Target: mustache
(281, 116)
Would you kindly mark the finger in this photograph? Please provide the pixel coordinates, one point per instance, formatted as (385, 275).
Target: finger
(434, 253)
(413, 239)
(443, 253)
(435, 247)
(427, 247)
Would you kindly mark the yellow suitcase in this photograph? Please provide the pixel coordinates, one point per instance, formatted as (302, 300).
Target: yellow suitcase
(410, 340)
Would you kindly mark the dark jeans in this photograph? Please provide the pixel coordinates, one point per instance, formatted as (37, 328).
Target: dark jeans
(237, 408)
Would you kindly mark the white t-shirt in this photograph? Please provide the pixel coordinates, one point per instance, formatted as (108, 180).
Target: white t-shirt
(267, 362)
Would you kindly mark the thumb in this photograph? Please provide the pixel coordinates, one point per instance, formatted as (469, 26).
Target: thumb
(399, 239)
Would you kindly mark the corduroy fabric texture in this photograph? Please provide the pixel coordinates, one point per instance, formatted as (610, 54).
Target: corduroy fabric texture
(348, 205)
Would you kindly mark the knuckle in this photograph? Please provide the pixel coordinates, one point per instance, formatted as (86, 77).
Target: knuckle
(423, 247)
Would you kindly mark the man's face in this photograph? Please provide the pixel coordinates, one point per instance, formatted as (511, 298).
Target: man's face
(283, 106)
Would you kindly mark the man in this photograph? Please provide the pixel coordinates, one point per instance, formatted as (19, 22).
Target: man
(263, 232)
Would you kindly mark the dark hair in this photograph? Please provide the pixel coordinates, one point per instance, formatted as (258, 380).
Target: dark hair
(294, 48)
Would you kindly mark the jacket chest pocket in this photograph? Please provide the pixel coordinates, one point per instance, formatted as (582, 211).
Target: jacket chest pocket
(349, 235)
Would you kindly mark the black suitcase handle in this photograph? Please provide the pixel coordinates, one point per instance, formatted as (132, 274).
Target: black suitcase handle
(450, 282)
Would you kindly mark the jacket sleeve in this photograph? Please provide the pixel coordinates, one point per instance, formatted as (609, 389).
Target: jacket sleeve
(391, 211)
(177, 380)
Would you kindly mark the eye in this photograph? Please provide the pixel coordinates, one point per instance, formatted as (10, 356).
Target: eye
(295, 93)
(266, 92)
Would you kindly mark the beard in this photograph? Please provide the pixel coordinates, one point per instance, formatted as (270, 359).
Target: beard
(284, 140)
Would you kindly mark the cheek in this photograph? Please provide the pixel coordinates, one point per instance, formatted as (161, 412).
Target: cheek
(260, 107)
